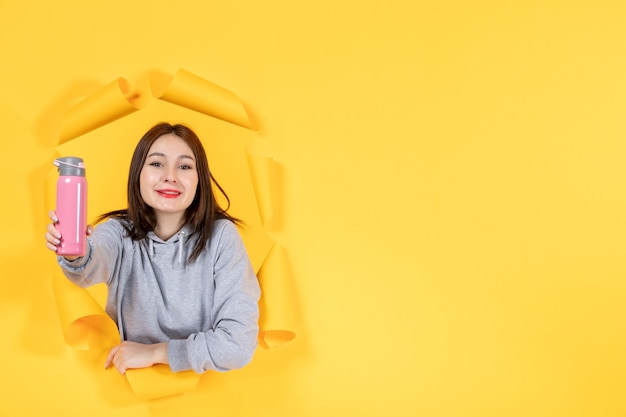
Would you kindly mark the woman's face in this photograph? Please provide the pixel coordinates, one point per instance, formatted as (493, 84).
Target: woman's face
(169, 178)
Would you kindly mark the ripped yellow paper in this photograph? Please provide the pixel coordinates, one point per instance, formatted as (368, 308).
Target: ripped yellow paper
(196, 93)
(85, 323)
(110, 103)
(264, 181)
(159, 381)
(278, 310)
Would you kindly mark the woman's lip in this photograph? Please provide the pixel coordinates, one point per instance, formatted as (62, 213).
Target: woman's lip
(168, 193)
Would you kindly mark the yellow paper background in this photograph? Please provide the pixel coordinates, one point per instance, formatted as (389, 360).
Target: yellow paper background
(451, 199)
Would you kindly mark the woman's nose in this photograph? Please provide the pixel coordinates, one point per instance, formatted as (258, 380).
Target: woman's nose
(170, 176)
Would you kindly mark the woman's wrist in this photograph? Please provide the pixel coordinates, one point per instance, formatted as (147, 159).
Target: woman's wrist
(159, 353)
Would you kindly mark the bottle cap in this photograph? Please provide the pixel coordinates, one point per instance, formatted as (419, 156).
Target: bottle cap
(72, 166)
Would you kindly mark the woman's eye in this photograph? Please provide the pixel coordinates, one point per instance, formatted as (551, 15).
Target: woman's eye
(186, 167)
(156, 164)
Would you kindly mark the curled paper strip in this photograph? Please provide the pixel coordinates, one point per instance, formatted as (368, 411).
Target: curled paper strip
(277, 304)
(110, 103)
(196, 93)
(85, 323)
(261, 166)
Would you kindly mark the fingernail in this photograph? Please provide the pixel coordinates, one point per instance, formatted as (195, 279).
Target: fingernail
(58, 236)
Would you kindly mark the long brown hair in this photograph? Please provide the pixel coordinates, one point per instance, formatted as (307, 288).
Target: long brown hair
(139, 218)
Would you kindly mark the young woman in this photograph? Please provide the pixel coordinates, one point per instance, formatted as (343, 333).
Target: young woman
(180, 284)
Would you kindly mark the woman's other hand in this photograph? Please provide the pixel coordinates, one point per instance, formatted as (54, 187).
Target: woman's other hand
(133, 355)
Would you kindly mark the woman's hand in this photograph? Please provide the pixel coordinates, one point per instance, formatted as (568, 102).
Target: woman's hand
(53, 237)
(132, 355)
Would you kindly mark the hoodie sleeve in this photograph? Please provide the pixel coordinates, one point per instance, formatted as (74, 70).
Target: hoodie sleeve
(232, 340)
(103, 249)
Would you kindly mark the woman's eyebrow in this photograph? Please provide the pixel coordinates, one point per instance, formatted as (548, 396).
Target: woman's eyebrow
(184, 156)
(156, 154)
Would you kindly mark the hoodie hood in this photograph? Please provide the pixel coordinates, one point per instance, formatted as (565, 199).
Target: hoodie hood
(175, 243)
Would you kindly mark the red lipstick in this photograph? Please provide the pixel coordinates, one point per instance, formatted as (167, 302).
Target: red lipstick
(168, 193)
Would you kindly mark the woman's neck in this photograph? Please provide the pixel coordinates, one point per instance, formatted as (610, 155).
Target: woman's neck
(168, 226)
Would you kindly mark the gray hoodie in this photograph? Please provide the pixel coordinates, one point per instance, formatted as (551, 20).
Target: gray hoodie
(207, 311)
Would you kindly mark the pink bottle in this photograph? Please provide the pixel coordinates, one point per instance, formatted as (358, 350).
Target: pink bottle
(71, 206)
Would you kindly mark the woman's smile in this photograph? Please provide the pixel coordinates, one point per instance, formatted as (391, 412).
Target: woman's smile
(167, 193)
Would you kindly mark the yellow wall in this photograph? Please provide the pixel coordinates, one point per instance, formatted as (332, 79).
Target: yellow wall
(453, 204)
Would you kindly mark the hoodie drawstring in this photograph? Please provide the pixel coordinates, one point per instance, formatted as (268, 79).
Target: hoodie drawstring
(154, 241)
(181, 235)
